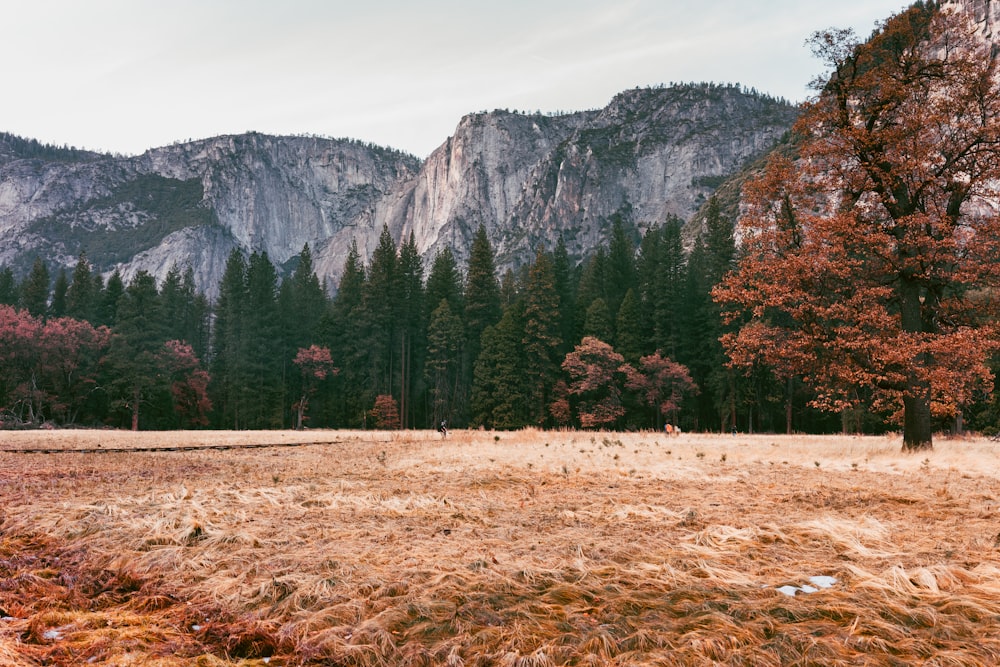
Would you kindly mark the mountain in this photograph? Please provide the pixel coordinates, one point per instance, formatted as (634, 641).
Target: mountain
(528, 178)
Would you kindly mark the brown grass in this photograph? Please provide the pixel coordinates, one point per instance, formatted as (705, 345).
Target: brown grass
(528, 548)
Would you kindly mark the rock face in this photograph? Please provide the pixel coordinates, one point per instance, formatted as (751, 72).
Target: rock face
(528, 179)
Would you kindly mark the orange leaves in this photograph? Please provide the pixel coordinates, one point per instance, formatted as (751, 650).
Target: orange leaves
(867, 260)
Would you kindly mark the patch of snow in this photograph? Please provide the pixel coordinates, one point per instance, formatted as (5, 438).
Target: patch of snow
(52, 634)
(817, 582)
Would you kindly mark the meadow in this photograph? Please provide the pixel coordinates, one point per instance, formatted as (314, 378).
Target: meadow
(526, 548)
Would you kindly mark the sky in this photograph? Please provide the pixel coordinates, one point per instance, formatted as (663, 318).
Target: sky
(124, 76)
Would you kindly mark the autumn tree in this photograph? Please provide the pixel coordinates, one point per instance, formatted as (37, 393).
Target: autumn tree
(188, 383)
(662, 384)
(315, 364)
(385, 414)
(871, 261)
(597, 375)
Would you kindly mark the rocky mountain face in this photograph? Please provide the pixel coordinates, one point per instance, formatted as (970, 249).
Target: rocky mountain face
(528, 179)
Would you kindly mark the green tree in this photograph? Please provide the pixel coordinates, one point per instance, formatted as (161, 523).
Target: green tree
(379, 308)
(410, 317)
(262, 344)
(109, 298)
(345, 332)
(481, 301)
(628, 328)
(597, 323)
(8, 287)
(541, 339)
(58, 306)
(229, 368)
(445, 337)
(139, 335)
(35, 289)
(81, 298)
(500, 393)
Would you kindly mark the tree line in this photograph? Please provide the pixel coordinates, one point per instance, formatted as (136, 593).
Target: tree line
(628, 338)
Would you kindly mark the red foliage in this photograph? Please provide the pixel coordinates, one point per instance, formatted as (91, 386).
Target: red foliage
(47, 368)
(315, 362)
(386, 412)
(869, 265)
(661, 382)
(597, 373)
(189, 383)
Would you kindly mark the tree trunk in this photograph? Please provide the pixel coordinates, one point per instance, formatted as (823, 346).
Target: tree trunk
(917, 396)
(917, 421)
(135, 410)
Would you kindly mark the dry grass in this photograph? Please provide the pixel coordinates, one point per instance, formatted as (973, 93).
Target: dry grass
(528, 549)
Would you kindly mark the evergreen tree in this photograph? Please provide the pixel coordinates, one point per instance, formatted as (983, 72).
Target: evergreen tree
(229, 369)
(597, 323)
(710, 260)
(591, 286)
(302, 304)
(499, 389)
(566, 288)
(262, 336)
(661, 274)
(541, 336)
(140, 333)
(410, 317)
(445, 334)
(109, 298)
(344, 332)
(58, 306)
(628, 330)
(306, 304)
(8, 287)
(35, 289)
(81, 298)
(620, 273)
(482, 299)
(379, 307)
(445, 282)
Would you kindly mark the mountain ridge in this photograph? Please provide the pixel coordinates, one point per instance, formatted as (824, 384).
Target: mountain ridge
(527, 178)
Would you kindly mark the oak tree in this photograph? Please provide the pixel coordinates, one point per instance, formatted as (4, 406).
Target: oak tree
(870, 262)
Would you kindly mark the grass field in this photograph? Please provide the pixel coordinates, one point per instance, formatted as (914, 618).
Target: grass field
(520, 549)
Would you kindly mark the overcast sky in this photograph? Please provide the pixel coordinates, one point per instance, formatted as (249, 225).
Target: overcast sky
(127, 75)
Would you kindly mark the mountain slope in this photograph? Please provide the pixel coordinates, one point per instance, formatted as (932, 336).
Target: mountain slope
(527, 178)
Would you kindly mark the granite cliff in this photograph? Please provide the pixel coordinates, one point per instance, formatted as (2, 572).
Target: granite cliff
(528, 178)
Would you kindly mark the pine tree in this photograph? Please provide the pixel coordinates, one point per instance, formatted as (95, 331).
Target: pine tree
(229, 369)
(541, 336)
(81, 298)
(482, 297)
(35, 289)
(597, 323)
(8, 287)
(262, 336)
(591, 286)
(345, 334)
(620, 274)
(410, 317)
(140, 332)
(566, 288)
(58, 306)
(499, 391)
(445, 336)
(445, 282)
(379, 308)
(628, 330)
(109, 298)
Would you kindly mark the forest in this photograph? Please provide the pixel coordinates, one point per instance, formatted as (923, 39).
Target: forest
(627, 338)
